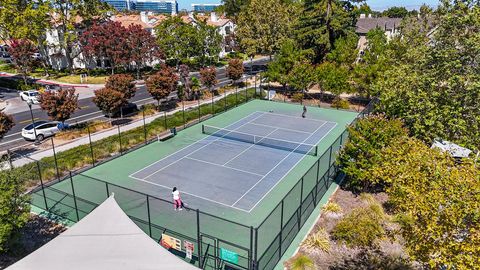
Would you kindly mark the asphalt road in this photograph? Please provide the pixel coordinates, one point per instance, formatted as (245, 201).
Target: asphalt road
(89, 111)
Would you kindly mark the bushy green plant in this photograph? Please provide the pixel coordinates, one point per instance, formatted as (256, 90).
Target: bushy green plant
(340, 103)
(318, 240)
(367, 137)
(331, 207)
(362, 227)
(297, 97)
(302, 262)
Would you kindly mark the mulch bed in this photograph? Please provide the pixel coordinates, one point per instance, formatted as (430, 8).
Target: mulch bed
(37, 232)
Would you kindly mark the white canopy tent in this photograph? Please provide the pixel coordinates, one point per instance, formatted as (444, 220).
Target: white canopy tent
(105, 239)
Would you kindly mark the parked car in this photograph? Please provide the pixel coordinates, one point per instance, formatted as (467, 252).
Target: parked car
(126, 110)
(43, 129)
(30, 96)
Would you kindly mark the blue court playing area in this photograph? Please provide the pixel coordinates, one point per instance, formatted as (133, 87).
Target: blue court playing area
(238, 165)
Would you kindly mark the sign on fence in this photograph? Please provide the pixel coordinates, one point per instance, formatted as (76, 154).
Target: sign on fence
(228, 255)
(189, 249)
(171, 242)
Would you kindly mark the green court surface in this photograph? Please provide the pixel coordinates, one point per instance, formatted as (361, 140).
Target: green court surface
(218, 225)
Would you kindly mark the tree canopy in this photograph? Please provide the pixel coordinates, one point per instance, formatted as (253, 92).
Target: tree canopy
(161, 84)
(6, 123)
(59, 105)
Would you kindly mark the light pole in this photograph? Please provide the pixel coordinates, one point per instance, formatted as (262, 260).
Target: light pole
(29, 102)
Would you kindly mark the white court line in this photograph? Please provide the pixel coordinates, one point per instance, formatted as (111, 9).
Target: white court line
(193, 195)
(288, 129)
(161, 169)
(297, 117)
(219, 165)
(258, 182)
(249, 148)
(280, 179)
(190, 145)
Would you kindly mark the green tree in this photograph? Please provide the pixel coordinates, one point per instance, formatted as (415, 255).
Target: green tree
(59, 105)
(434, 87)
(321, 23)
(179, 40)
(232, 8)
(332, 78)
(396, 12)
(282, 65)
(367, 138)
(14, 205)
(345, 51)
(302, 76)
(437, 203)
(211, 42)
(263, 26)
(6, 123)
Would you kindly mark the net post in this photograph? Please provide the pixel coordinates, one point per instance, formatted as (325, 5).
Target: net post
(74, 197)
(41, 184)
(199, 241)
(203, 128)
(149, 219)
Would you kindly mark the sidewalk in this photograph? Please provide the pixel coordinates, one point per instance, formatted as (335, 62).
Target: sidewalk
(106, 133)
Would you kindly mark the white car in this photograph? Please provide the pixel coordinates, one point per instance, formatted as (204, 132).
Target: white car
(42, 128)
(30, 96)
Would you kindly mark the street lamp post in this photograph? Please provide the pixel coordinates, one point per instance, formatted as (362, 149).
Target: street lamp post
(33, 121)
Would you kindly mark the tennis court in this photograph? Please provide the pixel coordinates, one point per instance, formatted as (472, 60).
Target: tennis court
(238, 165)
(252, 175)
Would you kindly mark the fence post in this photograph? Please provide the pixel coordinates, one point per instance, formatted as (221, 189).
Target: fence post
(106, 189)
(183, 112)
(225, 100)
(213, 110)
(41, 184)
(55, 158)
(246, 93)
(299, 213)
(236, 96)
(165, 118)
(250, 254)
(149, 219)
(120, 139)
(255, 92)
(9, 156)
(74, 197)
(255, 261)
(281, 234)
(144, 126)
(198, 106)
(199, 241)
(316, 181)
(91, 146)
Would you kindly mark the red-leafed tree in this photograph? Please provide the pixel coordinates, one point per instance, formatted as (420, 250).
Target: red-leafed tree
(122, 83)
(235, 69)
(109, 101)
(143, 47)
(6, 123)
(208, 76)
(107, 40)
(184, 72)
(59, 105)
(23, 52)
(161, 84)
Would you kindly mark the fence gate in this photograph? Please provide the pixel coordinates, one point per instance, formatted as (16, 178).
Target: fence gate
(221, 255)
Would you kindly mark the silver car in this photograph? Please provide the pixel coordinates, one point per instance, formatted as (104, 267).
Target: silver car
(43, 129)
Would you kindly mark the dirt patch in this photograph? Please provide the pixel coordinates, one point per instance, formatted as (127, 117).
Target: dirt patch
(37, 232)
(388, 254)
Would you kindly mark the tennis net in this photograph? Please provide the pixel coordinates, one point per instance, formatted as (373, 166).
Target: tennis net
(286, 145)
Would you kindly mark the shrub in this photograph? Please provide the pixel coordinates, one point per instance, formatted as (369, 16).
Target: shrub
(297, 97)
(361, 227)
(302, 262)
(340, 103)
(318, 240)
(367, 137)
(331, 207)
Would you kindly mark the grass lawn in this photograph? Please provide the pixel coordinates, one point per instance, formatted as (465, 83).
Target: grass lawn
(75, 79)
